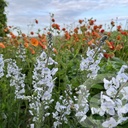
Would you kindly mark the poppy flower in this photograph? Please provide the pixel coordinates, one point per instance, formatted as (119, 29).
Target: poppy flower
(81, 21)
(91, 22)
(110, 45)
(56, 26)
(118, 28)
(32, 50)
(55, 51)
(91, 42)
(63, 29)
(108, 55)
(42, 45)
(67, 35)
(118, 47)
(2, 45)
(102, 30)
(118, 37)
(23, 35)
(34, 42)
(26, 45)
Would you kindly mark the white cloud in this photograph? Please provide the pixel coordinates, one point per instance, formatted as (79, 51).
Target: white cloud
(22, 12)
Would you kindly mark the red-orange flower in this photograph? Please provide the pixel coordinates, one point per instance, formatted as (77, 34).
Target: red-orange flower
(67, 35)
(118, 28)
(2, 45)
(42, 45)
(34, 42)
(124, 33)
(118, 37)
(108, 55)
(26, 45)
(118, 47)
(81, 21)
(102, 30)
(56, 26)
(110, 45)
(23, 35)
(55, 51)
(91, 22)
(32, 50)
(76, 30)
(91, 42)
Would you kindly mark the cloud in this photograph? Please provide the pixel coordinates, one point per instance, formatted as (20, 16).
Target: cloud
(23, 12)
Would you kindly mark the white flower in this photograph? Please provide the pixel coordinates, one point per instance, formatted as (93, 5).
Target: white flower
(94, 110)
(116, 82)
(83, 118)
(1, 66)
(111, 92)
(122, 69)
(111, 123)
(57, 123)
(107, 83)
(107, 104)
(31, 125)
(124, 92)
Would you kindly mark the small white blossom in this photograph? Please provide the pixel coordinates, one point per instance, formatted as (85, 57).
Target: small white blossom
(111, 123)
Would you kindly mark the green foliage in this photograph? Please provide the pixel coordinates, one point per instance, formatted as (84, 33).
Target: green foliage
(3, 18)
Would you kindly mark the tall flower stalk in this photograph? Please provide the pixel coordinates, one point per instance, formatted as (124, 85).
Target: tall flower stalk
(43, 84)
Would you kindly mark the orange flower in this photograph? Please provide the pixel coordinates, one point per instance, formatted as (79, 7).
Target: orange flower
(56, 26)
(118, 37)
(76, 30)
(34, 42)
(100, 26)
(55, 51)
(108, 55)
(124, 33)
(118, 28)
(67, 35)
(110, 45)
(23, 35)
(91, 22)
(95, 27)
(91, 42)
(80, 21)
(118, 47)
(26, 45)
(42, 45)
(109, 34)
(32, 50)
(96, 34)
(2, 45)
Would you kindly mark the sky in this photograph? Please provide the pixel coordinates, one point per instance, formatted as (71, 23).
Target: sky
(22, 13)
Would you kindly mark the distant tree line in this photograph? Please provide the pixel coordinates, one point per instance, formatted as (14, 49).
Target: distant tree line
(3, 18)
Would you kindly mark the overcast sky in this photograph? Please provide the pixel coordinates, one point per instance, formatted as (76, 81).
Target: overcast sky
(21, 13)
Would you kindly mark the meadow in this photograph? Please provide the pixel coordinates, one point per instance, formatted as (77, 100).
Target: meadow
(65, 78)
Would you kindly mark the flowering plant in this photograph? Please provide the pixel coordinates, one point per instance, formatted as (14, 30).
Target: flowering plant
(70, 81)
